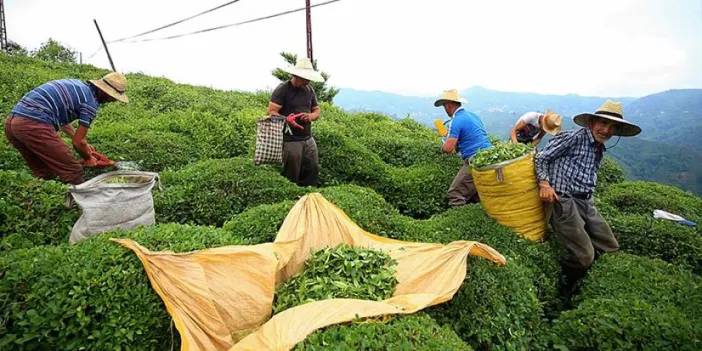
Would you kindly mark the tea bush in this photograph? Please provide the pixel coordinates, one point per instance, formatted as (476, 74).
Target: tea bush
(212, 191)
(641, 198)
(610, 172)
(419, 191)
(32, 211)
(655, 238)
(495, 308)
(412, 332)
(259, 224)
(94, 295)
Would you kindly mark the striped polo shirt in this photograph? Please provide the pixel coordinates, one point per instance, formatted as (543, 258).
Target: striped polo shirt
(59, 102)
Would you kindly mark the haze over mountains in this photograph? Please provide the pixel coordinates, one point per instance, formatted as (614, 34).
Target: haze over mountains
(668, 150)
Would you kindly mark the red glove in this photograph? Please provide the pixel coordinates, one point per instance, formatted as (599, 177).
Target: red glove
(292, 120)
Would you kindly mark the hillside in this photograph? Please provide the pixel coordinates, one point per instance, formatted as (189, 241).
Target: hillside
(387, 175)
(671, 122)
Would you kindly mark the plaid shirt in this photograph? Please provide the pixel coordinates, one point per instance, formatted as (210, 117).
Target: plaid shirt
(570, 162)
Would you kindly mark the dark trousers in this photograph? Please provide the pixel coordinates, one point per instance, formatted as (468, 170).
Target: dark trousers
(301, 162)
(581, 232)
(43, 150)
(462, 189)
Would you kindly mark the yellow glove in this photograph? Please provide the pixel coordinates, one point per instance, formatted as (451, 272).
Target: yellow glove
(440, 127)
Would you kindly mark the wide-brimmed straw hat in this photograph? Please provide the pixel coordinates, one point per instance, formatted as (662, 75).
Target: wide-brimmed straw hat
(552, 123)
(613, 111)
(449, 95)
(303, 68)
(113, 84)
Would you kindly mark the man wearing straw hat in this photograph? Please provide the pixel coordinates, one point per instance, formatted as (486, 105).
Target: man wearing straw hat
(532, 126)
(567, 173)
(466, 135)
(295, 99)
(33, 125)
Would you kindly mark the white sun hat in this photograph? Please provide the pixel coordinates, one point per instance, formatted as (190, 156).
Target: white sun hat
(303, 68)
(449, 95)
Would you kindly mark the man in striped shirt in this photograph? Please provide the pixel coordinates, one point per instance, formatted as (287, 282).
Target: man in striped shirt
(33, 125)
(567, 173)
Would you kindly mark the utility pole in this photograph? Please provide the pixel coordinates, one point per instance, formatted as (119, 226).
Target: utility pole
(3, 30)
(309, 31)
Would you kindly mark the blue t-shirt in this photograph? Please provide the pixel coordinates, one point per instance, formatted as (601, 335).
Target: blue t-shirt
(59, 102)
(470, 132)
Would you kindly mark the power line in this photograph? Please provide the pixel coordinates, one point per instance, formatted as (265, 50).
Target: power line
(174, 23)
(232, 25)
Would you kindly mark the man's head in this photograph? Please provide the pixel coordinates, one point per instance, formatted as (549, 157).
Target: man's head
(299, 82)
(450, 100)
(111, 87)
(608, 120)
(303, 71)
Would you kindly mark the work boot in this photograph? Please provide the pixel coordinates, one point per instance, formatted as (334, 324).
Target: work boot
(568, 283)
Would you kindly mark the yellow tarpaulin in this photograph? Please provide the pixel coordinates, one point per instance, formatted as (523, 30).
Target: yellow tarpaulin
(222, 298)
(509, 194)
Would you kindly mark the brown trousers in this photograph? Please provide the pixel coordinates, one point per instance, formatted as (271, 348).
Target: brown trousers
(301, 162)
(43, 150)
(581, 232)
(462, 189)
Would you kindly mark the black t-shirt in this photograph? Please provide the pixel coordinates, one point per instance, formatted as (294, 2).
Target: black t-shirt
(295, 100)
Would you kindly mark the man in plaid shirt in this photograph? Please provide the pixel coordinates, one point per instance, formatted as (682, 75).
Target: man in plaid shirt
(567, 173)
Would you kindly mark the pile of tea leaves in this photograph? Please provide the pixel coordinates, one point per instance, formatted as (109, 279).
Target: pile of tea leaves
(499, 152)
(339, 272)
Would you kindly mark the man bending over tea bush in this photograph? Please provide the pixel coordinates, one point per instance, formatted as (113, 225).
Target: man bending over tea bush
(567, 173)
(33, 125)
(296, 101)
(467, 134)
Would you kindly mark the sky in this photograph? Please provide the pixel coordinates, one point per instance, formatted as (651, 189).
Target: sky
(595, 48)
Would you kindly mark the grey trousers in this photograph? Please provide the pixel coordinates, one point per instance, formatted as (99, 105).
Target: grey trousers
(301, 162)
(462, 189)
(581, 231)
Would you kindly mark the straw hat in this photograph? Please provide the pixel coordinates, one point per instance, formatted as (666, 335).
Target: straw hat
(303, 68)
(449, 95)
(552, 123)
(113, 84)
(613, 111)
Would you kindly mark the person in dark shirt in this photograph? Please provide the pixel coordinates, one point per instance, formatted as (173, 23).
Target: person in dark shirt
(567, 173)
(33, 125)
(296, 100)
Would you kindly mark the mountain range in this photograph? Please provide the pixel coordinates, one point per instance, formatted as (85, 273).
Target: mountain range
(666, 151)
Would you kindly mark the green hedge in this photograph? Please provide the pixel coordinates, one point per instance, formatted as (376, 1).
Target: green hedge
(657, 238)
(654, 281)
(94, 295)
(610, 173)
(211, 192)
(32, 211)
(641, 198)
(624, 324)
(259, 224)
(412, 332)
(496, 308)
(420, 191)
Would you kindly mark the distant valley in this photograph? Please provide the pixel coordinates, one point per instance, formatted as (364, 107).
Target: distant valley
(668, 150)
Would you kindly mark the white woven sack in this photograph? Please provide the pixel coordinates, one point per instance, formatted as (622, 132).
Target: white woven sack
(114, 200)
(269, 140)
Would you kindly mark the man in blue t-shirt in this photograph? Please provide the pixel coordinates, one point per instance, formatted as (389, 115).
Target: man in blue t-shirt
(467, 134)
(33, 125)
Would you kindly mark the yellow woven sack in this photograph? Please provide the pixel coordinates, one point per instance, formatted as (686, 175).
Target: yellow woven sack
(221, 298)
(509, 194)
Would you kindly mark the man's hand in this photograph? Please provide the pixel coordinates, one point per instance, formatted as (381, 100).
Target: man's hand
(91, 162)
(292, 120)
(546, 192)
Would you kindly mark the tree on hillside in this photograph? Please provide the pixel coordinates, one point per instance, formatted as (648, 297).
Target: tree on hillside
(53, 51)
(323, 92)
(15, 49)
